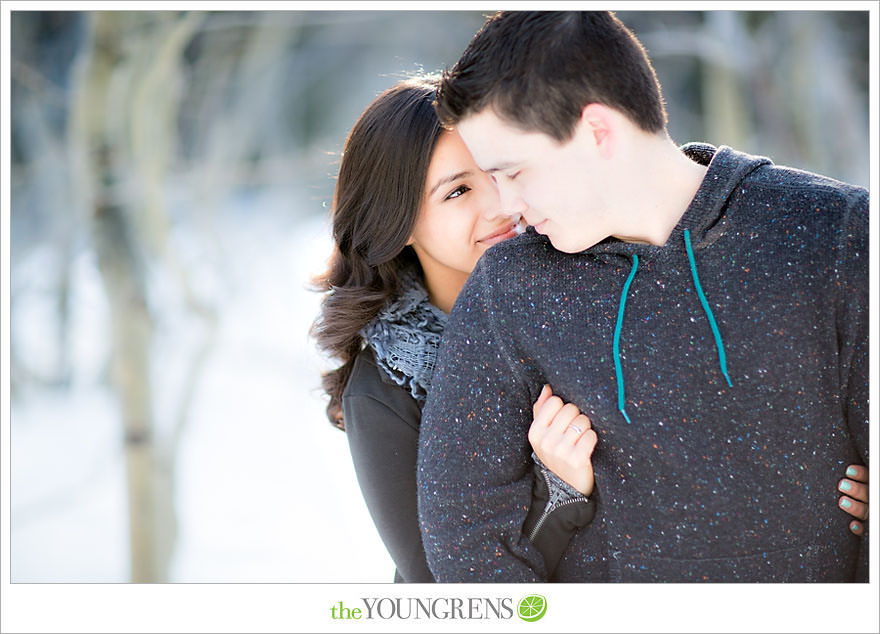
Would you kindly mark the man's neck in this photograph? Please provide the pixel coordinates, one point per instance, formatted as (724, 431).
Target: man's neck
(667, 183)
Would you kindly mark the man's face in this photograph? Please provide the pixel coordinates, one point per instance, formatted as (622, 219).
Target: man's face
(557, 187)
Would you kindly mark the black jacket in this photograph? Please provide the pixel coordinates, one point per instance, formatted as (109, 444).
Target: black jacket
(382, 422)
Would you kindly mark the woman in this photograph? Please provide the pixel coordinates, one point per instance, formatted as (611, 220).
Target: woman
(408, 230)
(412, 214)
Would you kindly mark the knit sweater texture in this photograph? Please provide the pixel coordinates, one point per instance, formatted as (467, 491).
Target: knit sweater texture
(726, 374)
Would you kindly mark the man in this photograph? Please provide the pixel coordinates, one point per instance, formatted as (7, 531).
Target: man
(706, 309)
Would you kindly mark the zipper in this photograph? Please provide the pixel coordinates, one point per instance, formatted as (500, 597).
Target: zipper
(546, 515)
(548, 511)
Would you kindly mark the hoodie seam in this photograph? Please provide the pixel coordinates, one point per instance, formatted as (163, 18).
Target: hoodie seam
(484, 300)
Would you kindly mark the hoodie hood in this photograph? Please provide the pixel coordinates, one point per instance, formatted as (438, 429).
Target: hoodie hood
(726, 170)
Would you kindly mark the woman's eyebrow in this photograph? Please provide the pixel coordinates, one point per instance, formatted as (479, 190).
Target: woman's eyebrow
(449, 179)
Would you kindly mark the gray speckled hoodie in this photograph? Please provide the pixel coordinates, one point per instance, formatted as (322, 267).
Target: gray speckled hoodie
(725, 372)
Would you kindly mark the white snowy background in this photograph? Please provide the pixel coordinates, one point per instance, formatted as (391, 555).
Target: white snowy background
(266, 491)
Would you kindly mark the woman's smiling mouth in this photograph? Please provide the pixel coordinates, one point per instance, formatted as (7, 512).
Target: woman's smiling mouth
(506, 231)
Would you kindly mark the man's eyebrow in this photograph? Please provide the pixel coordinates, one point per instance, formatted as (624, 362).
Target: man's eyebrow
(448, 179)
(501, 166)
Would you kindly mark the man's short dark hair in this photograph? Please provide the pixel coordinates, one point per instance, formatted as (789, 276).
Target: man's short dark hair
(538, 69)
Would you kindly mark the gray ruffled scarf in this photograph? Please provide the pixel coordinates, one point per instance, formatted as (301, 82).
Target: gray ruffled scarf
(405, 336)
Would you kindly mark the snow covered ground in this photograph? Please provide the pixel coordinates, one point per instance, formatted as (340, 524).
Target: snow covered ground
(265, 490)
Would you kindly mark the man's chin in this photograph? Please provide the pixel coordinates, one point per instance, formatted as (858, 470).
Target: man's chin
(568, 245)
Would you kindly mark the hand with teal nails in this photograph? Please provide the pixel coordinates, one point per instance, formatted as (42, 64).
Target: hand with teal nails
(855, 496)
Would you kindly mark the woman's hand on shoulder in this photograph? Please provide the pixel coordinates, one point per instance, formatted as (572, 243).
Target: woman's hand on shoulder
(563, 438)
(855, 496)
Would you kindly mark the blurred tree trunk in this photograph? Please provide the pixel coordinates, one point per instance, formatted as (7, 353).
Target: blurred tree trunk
(132, 333)
(122, 273)
(123, 115)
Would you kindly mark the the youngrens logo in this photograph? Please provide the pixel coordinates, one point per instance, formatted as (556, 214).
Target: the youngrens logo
(530, 608)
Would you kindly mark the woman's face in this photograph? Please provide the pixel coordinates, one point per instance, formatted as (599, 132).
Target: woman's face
(460, 214)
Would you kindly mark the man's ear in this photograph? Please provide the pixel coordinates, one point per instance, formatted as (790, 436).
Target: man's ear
(598, 122)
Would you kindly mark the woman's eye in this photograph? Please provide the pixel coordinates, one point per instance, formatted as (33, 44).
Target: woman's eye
(513, 176)
(458, 191)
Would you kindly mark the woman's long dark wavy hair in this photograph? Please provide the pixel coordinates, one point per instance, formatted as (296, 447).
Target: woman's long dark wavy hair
(378, 193)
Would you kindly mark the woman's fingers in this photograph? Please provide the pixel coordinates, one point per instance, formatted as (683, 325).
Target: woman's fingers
(546, 392)
(853, 489)
(855, 508)
(587, 442)
(563, 438)
(857, 472)
(565, 417)
(559, 430)
(578, 426)
(546, 413)
(558, 423)
(855, 499)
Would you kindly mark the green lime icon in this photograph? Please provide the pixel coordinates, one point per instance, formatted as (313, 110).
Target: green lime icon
(532, 607)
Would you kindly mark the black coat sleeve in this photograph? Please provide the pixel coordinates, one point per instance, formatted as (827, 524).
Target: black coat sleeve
(383, 440)
(557, 511)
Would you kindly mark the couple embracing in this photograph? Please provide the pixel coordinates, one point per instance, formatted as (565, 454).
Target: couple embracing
(575, 351)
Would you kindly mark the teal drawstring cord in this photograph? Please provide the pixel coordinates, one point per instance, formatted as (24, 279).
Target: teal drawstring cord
(722, 358)
(719, 344)
(618, 370)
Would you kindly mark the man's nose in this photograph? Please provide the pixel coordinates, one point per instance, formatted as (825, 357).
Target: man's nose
(511, 202)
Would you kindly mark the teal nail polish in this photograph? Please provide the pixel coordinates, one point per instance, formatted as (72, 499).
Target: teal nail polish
(845, 486)
(851, 472)
(854, 527)
(845, 503)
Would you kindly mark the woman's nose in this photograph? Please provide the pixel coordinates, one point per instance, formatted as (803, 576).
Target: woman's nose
(490, 207)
